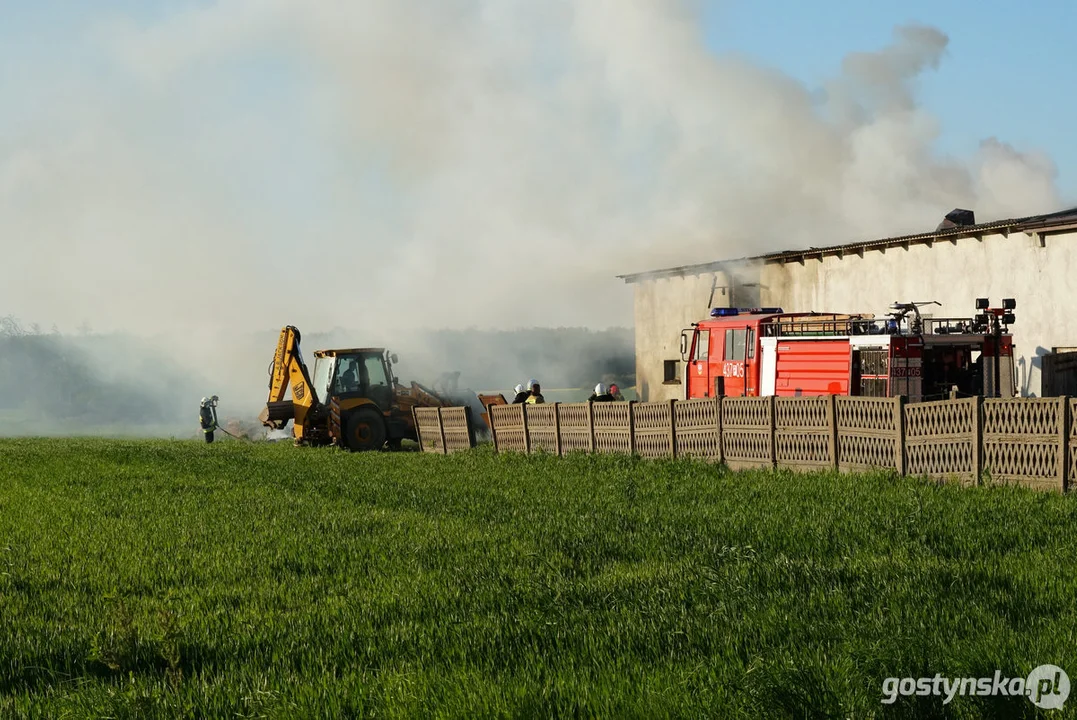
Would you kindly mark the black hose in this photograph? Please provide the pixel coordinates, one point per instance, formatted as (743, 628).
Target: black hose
(217, 426)
(233, 436)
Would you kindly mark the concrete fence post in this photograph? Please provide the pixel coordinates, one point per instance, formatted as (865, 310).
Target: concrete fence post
(721, 427)
(557, 428)
(493, 427)
(527, 430)
(978, 440)
(591, 423)
(441, 430)
(418, 430)
(470, 423)
(1063, 441)
(772, 407)
(673, 429)
(832, 429)
(899, 433)
(631, 427)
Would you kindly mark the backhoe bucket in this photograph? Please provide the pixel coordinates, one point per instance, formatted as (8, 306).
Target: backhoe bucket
(277, 414)
(487, 401)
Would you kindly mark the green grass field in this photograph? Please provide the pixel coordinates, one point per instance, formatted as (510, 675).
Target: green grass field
(177, 579)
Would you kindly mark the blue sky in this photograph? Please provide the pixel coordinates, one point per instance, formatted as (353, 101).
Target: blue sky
(1007, 72)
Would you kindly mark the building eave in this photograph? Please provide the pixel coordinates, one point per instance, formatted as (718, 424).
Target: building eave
(1041, 225)
(683, 270)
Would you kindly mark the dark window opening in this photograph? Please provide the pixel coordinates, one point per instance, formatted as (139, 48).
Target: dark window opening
(670, 371)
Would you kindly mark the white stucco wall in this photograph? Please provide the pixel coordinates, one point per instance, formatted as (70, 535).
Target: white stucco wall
(1039, 278)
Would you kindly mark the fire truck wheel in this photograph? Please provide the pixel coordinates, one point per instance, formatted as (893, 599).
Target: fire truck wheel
(364, 430)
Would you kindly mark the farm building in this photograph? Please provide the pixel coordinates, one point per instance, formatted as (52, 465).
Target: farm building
(1031, 259)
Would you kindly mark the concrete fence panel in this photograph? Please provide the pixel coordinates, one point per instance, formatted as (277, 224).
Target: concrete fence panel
(942, 439)
(1032, 441)
(652, 426)
(748, 432)
(869, 433)
(457, 428)
(1025, 441)
(542, 428)
(428, 430)
(507, 424)
(575, 427)
(804, 433)
(612, 427)
(698, 428)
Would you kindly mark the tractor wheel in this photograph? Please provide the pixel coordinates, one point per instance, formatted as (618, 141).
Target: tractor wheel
(364, 430)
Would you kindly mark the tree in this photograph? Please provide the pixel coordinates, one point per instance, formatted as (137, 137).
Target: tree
(10, 326)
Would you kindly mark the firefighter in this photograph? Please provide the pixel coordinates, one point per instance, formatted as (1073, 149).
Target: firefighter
(521, 394)
(535, 393)
(616, 393)
(601, 394)
(207, 417)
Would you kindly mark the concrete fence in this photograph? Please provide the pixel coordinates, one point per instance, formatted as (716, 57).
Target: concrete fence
(1029, 441)
(444, 430)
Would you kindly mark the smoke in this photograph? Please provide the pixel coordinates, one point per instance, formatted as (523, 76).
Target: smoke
(52, 384)
(399, 166)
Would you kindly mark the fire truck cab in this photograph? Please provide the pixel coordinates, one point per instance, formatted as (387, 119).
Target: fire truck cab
(765, 351)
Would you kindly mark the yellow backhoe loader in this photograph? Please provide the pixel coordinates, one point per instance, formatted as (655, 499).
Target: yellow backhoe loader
(352, 400)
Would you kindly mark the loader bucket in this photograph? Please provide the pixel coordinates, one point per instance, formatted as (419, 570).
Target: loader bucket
(487, 401)
(277, 414)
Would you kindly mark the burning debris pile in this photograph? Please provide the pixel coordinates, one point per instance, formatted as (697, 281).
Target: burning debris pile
(251, 431)
(246, 430)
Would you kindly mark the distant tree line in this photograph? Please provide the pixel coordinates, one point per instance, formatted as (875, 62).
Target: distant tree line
(92, 380)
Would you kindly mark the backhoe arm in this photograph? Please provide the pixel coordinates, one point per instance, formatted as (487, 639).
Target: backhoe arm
(289, 370)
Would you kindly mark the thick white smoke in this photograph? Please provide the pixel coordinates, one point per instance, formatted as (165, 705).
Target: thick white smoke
(394, 164)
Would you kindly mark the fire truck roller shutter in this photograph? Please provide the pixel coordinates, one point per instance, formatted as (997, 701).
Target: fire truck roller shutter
(811, 367)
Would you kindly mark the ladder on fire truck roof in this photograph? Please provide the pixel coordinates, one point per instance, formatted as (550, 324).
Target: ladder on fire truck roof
(824, 325)
(834, 325)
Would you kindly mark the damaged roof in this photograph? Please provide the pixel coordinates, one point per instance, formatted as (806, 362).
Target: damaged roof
(1044, 224)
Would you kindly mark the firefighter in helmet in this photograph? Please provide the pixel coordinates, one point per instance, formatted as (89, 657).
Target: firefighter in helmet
(521, 394)
(601, 394)
(207, 417)
(535, 393)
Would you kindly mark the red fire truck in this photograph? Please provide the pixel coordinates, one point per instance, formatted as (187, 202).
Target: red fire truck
(764, 351)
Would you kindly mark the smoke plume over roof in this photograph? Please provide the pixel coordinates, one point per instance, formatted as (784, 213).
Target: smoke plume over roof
(391, 164)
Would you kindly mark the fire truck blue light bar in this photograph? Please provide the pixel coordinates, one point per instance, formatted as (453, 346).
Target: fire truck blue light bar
(732, 312)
